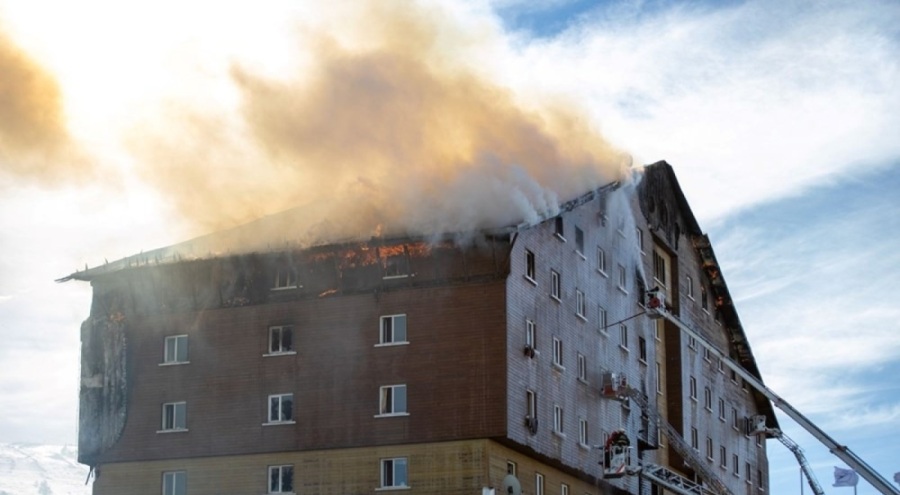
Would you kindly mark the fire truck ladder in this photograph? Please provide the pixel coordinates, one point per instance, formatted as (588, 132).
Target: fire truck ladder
(690, 456)
(673, 481)
(798, 453)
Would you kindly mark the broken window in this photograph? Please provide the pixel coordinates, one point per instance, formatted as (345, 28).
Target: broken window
(558, 228)
(392, 400)
(281, 408)
(395, 263)
(174, 416)
(176, 349)
(281, 339)
(281, 479)
(285, 278)
(393, 329)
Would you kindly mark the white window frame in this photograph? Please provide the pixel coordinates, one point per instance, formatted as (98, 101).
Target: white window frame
(661, 263)
(689, 286)
(580, 306)
(659, 389)
(530, 266)
(388, 401)
(388, 336)
(579, 241)
(723, 457)
(555, 285)
(735, 465)
(582, 367)
(639, 234)
(277, 401)
(285, 278)
(735, 422)
(623, 337)
(695, 439)
(512, 468)
(709, 449)
(530, 333)
(707, 399)
(559, 228)
(281, 349)
(531, 404)
(602, 319)
(642, 350)
(558, 420)
(538, 484)
(563, 489)
(622, 283)
(176, 421)
(179, 342)
(601, 261)
(721, 409)
(174, 483)
(276, 484)
(558, 353)
(394, 473)
(583, 438)
(692, 388)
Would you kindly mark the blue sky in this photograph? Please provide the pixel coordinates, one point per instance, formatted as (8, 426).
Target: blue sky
(780, 118)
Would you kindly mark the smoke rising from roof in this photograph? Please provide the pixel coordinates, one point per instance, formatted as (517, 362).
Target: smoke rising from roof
(385, 129)
(34, 142)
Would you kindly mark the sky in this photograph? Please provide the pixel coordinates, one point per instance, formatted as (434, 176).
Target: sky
(125, 128)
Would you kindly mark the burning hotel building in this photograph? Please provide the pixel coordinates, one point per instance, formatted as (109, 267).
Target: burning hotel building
(521, 359)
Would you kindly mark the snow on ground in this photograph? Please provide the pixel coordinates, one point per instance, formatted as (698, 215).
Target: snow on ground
(41, 470)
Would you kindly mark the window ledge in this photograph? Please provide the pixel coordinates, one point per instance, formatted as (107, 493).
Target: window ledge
(642, 361)
(622, 289)
(624, 348)
(278, 423)
(708, 409)
(285, 353)
(581, 317)
(584, 446)
(581, 255)
(392, 488)
(174, 430)
(174, 363)
(391, 344)
(582, 380)
(392, 415)
(559, 434)
(286, 287)
(392, 277)
(559, 236)
(558, 366)
(693, 399)
(602, 272)
(555, 298)
(603, 332)
(530, 280)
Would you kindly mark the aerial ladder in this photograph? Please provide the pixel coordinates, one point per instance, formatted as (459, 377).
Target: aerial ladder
(656, 309)
(758, 426)
(661, 475)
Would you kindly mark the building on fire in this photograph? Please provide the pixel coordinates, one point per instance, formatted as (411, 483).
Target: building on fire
(507, 362)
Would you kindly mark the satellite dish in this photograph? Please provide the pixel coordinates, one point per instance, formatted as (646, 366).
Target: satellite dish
(511, 486)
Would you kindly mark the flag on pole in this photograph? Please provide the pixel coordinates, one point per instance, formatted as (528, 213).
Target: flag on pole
(845, 477)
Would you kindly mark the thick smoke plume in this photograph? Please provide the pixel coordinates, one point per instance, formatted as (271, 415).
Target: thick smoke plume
(34, 142)
(385, 130)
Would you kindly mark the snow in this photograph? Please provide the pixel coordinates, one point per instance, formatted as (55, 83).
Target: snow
(41, 470)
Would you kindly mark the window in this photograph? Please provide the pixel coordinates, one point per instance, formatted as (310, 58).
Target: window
(281, 479)
(723, 457)
(695, 439)
(639, 238)
(747, 471)
(582, 367)
(709, 448)
(689, 287)
(601, 318)
(538, 484)
(623, 336)
(579, 241)
(176, 350)
(555, 289)
(601, 260)
(285, 278)
(707, 355)
(530, 337)
(761, 485)
(394, 473)
(392, 400)
(583, 432)
(623, 279)
(658, 379)
(693, 387)
(642, 349)
(660, 271)
(557, 352)
(657, 333)
(735, 465)
(529, 265)
(174, 483)
(531, 404)
(704, 301)
(281, 339)
(394, 262)
(692, 342)
(511, 468)
(393, 329)
(722, 409)
(558, 228)
(174, 416)
(721, 365)
(281, 408)
(707, 398)
(580, 308)
(558, 419)
(563, 489)
(735, 423)
(734, 377)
